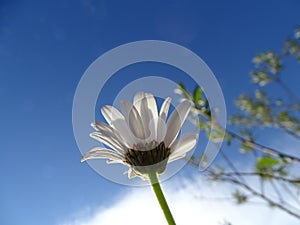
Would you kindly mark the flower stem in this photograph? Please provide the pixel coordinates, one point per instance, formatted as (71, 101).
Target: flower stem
(161, 198)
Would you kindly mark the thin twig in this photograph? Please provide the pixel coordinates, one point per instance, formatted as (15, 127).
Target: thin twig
(263, 148)
(289, 92)
(277, 192)
(232, 166)
(262, 196)
(290, 132)
(271, 176)
(288, 190)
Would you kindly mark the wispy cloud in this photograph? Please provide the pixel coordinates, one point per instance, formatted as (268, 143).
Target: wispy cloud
(192, 201)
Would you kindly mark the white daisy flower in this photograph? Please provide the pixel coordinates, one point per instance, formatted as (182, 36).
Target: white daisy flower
(140, 137)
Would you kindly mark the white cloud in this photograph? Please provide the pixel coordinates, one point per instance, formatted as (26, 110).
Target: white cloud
(192, 201)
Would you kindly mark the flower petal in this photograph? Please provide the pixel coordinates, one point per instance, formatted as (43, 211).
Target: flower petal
(181, 146)
(109, 132)
(165, 109)
(101, 153)
(133, 119)
(161, 130)
(152, 131)
(149, 115)
(124, 131)
(117, 121)
(145, 115)
(111, 114)
(176, 120)
(111, 161)
(131, 173)
(100, 126)
(137, 100)
(109, 140)
(184, 144)
(175, 157)
(151, 105)
(141, 104)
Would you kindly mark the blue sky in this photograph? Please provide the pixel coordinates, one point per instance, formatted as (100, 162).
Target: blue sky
(45, 47)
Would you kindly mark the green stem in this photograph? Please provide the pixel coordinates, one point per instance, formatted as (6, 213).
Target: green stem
(161, 198)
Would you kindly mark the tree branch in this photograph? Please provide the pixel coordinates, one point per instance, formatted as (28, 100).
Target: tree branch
(260, 195)
(271, 176)
(263, 148)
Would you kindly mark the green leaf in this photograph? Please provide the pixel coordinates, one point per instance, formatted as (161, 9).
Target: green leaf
(267, 162)
(266, 165)
(197, 94)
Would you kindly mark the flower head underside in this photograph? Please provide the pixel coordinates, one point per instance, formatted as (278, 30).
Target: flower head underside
(140, 136)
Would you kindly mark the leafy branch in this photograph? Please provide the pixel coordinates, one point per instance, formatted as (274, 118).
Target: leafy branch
(271, 168)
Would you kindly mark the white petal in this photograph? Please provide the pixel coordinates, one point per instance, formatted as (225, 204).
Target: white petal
(153, 130)
(124, 131)
(137, 100)
(99, 126)
(175, 157)
(126, 107)
(161, 130)
(109, 140)
(176, 120)
(111, 114)
(131, 173)
(145, 115)
(181, 146)
(133, 119)
(184, 144)
(110, 161)
(117, 121)
(150, 116)
(165, 109)
(101, 153)
(109, 132)
(151, 105)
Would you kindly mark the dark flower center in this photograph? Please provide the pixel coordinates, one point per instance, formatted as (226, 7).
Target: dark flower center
(145, 161)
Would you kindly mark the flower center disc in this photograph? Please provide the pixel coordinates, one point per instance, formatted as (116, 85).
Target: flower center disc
(154, 159)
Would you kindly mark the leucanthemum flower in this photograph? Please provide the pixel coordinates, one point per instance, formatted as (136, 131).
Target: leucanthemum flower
(140, 137)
